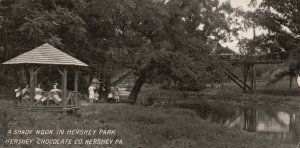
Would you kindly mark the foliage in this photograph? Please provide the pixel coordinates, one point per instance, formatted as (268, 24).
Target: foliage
(280, 20)
(162, 39)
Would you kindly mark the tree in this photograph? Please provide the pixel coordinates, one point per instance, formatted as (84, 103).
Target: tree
(163, 39)
(281, 20)
(176, 46)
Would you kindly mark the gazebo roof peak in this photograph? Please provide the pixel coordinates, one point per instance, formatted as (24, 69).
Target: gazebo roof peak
(45, 54)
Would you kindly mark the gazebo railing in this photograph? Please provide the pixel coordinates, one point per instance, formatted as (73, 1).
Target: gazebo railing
(48, 99)
(71, 98)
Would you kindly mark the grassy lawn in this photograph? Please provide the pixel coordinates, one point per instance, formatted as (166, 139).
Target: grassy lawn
(137, 126)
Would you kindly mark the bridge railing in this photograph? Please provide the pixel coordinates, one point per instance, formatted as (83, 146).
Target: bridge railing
(264, 58)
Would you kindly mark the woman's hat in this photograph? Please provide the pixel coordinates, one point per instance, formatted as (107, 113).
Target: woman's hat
(96, 81)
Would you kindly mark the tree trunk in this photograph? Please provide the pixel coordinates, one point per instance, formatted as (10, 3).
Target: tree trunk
(136, 88)
(291, 81)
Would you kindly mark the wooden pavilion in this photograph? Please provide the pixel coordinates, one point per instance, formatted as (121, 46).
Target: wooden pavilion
(49, 56)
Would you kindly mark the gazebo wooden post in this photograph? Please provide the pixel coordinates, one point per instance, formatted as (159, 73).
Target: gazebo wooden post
(31, 85)
(43, 55)
(35, 79)
(35, 73)
(64, 87)
(76, 85)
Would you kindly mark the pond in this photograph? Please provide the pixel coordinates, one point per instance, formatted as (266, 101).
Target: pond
(271, 122)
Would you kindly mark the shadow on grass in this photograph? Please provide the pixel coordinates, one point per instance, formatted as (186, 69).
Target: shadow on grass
(279, 92)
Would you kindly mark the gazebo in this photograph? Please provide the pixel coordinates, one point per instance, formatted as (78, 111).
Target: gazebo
(49, 56)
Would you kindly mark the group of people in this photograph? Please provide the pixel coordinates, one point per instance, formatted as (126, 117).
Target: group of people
(113, 95)
(23, 94)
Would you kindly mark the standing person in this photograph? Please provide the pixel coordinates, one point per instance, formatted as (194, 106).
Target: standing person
(102, 93)
(18, 92)
(110, 95)
(25, 93)
(116, 95)
(91, 93)
(96, 97)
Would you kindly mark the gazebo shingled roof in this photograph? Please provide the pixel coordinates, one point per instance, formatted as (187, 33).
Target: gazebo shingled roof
(45, 54)
(49, 55)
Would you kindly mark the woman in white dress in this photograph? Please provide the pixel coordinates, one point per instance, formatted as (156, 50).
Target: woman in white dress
(25, 93)
(54, 92)
(38, 94)
(91, 93)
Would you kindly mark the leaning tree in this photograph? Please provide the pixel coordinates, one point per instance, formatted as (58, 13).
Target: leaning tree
(172, 39)
(177, 38)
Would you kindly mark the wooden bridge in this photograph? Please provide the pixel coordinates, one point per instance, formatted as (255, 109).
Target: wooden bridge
(253, 59)
(248, 62)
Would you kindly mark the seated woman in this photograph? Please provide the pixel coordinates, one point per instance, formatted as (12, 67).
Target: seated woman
(25, 93)
(38, 94)
(54, 94)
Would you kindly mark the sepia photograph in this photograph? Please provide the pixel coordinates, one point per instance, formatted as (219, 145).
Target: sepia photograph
(149, 74)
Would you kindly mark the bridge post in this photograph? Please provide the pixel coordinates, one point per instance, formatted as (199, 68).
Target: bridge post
(252, 77)
(245, 77)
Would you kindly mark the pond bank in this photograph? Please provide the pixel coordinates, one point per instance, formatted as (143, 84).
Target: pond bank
(140, 126)
(274, 123)
(287, 99)
(281, 98)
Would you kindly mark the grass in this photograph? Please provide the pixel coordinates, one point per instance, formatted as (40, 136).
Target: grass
(138, 126)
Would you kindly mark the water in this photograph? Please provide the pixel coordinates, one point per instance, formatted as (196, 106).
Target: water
(273, 123)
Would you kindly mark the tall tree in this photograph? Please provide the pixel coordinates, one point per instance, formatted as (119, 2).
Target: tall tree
(164, 39)
(178, 36)
(280, 19)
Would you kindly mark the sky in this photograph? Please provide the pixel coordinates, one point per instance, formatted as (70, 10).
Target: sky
(242, 4)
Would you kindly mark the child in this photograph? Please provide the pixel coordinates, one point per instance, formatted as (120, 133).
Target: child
(96, 96)
(110, 96)
(117, 95)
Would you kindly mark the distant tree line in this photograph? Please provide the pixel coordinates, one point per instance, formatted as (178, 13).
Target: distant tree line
(280, 21)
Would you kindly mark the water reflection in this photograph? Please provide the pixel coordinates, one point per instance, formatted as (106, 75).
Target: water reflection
(274, 124)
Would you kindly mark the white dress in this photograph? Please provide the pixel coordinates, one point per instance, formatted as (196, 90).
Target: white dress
(25, 93)
(38, 95)
(96, 96)
(55, 94)
(18, 92)
(91, 92)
